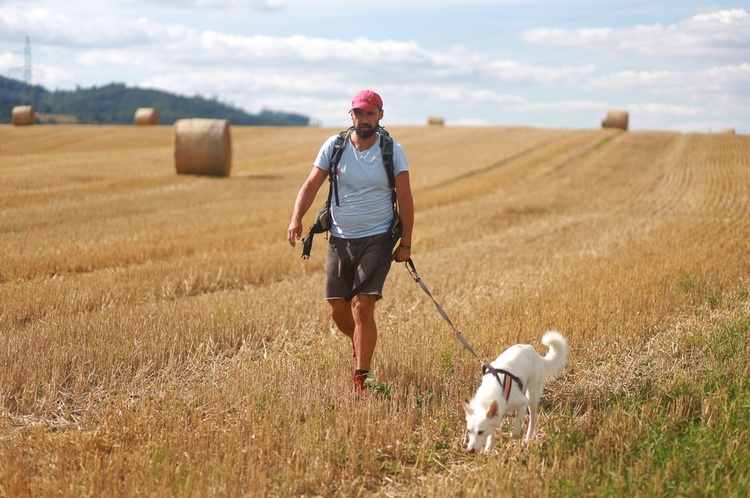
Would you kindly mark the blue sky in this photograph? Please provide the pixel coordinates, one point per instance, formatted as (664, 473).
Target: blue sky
(674, 65)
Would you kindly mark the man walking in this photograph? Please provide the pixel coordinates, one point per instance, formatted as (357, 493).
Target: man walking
(360, 245)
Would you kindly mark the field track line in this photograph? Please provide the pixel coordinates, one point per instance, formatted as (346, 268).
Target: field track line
(509, 173)
(575, 155)
(499, 164)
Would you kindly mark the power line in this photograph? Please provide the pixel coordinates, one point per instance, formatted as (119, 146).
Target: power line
(28, 89)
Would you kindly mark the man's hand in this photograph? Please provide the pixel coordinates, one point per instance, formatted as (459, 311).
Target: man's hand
(401, 254)
(294, 232)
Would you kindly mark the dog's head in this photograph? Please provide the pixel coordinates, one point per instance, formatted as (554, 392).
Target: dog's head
(481, 424)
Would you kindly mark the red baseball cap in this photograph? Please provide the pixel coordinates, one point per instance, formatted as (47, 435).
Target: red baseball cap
(367, 100)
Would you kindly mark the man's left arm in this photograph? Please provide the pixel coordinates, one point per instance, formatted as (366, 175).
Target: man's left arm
(406, 211)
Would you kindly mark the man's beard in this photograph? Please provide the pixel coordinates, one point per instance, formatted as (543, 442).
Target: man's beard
(365, 133)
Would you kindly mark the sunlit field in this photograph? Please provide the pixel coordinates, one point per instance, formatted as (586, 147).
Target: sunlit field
(159, 337)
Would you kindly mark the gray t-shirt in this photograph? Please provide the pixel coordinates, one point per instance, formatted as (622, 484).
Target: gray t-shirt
(364, 195)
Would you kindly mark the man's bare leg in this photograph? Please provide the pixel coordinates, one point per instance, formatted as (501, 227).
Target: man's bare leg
(357, 321)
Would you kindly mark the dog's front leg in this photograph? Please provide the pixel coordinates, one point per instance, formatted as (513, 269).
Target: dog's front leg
(488, 444)
(516, 433)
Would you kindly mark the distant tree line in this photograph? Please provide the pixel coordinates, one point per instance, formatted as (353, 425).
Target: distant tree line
(116, 104)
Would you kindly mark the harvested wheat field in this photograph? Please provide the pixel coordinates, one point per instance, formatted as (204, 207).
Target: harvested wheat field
(159, 337)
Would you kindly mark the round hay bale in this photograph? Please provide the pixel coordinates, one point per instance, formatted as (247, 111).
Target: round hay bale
(616, 119)
(23, 115)
(146, 116)
(202, 147)
(435, 121)
(728, 131)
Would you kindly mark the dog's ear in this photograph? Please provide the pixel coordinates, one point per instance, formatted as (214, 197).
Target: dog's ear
(467, 409)
(492, 410)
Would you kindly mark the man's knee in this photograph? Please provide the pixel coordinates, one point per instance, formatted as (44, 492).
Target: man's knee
(363, 305)
(341, 311)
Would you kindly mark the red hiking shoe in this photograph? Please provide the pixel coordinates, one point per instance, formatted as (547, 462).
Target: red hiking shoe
(360, 376)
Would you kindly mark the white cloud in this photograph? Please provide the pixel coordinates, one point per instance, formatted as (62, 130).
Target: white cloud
(723, 34)
(692, 84)
(54, 28)
(652, 110)
(663, 72)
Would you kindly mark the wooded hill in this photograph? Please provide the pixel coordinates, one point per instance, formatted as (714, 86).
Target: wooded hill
(116, 104)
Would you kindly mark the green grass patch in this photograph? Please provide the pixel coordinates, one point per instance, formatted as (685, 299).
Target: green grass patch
(684, 435)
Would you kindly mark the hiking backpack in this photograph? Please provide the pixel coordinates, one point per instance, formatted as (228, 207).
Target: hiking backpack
(323, 218)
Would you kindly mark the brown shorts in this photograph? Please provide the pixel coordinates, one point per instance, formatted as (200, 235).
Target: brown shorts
(350, 261)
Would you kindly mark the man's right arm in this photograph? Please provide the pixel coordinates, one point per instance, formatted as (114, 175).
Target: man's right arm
(302, 204)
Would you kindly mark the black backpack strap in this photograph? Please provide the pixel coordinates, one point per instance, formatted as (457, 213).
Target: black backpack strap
(338, 149)
(307, 240)
(386, 150)
(333, 190)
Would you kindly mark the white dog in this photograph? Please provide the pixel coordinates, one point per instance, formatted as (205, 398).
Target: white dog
(516, 385)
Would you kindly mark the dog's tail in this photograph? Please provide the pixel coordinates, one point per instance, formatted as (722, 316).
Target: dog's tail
(557, 356)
